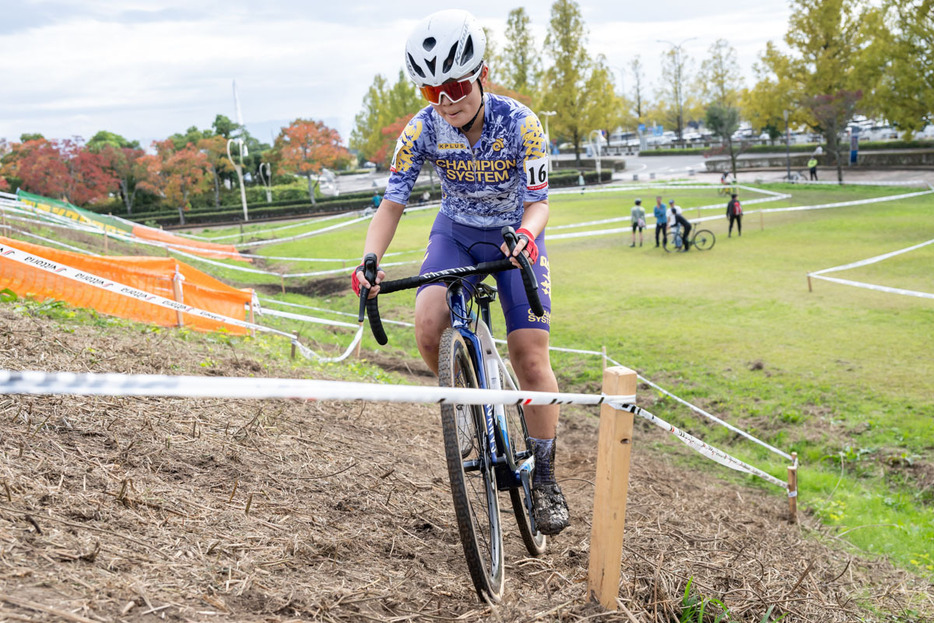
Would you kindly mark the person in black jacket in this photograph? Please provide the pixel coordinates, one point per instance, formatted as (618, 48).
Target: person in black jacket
(734, 212)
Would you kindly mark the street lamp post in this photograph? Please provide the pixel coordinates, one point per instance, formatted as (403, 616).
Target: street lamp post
(546, 114)
(239, 169)
(679, 96)
(265, 175)
(595, 146)
(787, 145)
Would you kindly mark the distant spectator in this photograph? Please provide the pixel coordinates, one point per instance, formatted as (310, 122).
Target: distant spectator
(734, 212)
(661, 222)
(376, 199)
(812, 165)
(676, 219)
(580, 180)
(638, 221)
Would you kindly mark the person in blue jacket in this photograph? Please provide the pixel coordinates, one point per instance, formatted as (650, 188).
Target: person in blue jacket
(489, 152)
(661, 222)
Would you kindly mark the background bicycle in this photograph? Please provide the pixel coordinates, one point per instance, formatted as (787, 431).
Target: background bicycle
(700, 239)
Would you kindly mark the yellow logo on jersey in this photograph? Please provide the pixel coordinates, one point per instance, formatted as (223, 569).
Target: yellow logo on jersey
(402, 158)
(533, 138)
(497, 145)
(546, 282)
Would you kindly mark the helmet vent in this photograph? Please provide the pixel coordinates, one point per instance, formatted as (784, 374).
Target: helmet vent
(429, 43)
(415, 67)
(431, 65)
(467, 54)
(449, 61)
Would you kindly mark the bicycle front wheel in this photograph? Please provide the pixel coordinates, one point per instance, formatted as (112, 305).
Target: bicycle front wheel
(520, 449)
(703, 240)
(470, 468)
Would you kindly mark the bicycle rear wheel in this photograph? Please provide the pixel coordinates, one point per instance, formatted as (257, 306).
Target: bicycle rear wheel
(520, 448)
(470, 468)
(703, 240)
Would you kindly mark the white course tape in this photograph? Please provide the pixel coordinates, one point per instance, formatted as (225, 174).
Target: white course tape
(90, 384)
(872, 260)
(705, 449)
(870, 286)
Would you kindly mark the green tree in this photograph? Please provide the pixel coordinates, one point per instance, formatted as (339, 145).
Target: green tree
(566, 79)
(382, 106)
(676, 65)
(102, 138)
(602, 108)
(724, 121)
(638, 87)
(898, 62)
(519, 64)
(832, 113)
(719, 80)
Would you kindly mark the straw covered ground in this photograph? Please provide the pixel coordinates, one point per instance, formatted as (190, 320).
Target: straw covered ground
(137, 509)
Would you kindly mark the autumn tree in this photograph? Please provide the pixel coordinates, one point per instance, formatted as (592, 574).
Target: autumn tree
(61, 169)
(824, 38)
(306, 147)
(569, 83)
(176, 174)
(898, 62)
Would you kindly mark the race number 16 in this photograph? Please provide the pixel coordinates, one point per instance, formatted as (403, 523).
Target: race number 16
(537, 173)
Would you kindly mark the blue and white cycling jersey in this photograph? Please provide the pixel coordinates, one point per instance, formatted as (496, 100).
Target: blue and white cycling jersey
(486, 185)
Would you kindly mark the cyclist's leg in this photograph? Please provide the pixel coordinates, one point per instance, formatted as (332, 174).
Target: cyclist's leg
(528, 340)
(446, 249)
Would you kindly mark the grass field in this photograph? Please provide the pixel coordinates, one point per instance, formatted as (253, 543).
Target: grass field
(842, 375)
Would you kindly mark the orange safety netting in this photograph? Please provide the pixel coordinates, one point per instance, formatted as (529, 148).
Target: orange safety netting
(154, 275)
(196, 247)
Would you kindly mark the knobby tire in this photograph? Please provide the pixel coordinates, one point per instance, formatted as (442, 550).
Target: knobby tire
(520, 447)
(473, 482)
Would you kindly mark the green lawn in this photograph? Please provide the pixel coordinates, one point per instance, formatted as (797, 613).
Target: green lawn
(842, 375)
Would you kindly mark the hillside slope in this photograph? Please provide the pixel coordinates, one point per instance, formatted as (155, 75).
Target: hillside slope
(246, 510)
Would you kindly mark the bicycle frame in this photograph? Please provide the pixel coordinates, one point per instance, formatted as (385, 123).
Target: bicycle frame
(491, 370)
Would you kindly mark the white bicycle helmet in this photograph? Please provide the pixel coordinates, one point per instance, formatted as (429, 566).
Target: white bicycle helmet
(447, 44)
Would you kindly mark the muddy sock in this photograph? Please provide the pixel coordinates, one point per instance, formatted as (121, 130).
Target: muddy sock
(544, 461)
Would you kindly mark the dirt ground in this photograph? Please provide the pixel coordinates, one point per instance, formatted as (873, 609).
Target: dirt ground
(139, 509)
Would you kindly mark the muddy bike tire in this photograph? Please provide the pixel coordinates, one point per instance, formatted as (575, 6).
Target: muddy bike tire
(473, 482)
(520, 448)
(674, 242)
(703, 240)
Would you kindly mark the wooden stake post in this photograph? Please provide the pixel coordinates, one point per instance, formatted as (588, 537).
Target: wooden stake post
(614, 447)
(793, 488)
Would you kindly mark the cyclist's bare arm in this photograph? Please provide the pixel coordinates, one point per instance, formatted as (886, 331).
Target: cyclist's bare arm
(379, 235)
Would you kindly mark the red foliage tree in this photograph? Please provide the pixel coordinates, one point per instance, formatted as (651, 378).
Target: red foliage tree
(61, 169)
(390, 134)
(176, 174)
(306, 147)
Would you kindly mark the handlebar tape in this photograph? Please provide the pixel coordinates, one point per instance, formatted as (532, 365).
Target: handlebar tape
(370, 267)
(528, 275)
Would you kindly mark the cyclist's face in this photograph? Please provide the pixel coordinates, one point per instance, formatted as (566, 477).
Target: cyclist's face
(459, 113)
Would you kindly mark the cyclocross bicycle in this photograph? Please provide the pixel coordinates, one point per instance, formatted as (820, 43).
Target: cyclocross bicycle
(701, 239)
(487, 446)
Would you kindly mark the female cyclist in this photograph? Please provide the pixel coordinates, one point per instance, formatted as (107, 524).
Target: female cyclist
(489, 152)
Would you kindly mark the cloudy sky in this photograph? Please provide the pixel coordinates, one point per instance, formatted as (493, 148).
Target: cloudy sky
(146, 69)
